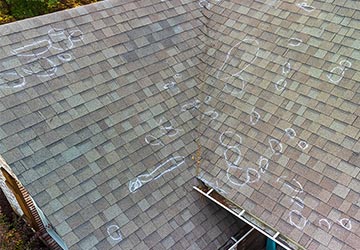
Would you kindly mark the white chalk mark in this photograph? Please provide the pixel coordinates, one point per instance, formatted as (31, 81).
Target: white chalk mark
(290, 133)
(345, 63)
(345, 223)
(153, 141)
(325, 222)
(169, 85)
(56, 34)
(280, 178)
(66, 57)
(276, 146)
(338, 72)
(207, 99)
(114, 233)
(233, 90)
(211, 113)
(297, 219)
(306, 7)
(230, 135)
(294, 42)
(168, 166)
(298, 201)
(256, 54)
(339, 75)
(204, 4)
(250, 172)
(281, 84)
(38, 63)
(34, 49)
(11, 80)
(60, 40)
(263, 164)
(237, 75)
(191, 106)
(288, 184)
(177, 76)
(135, 185)
(227, 158)
(237, 181)
(286, 68)
(237, 178)
(168, 129)
(42, 67)
(254, 117)
(295, 189)
(303, 145)
(76, 35)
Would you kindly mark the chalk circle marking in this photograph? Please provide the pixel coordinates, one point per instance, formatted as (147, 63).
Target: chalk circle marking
(233, 150)
(11, 80)
(211, 113)
(230, 134)
(281, 84)
(325, 222)
(346, 223)
(290, 132)
(303, 145)
(191, 106)
(254, 117)
(294, 42)
(286, 68)
(114, 229)
(297, 219)
(263, 164)
(276, 146)
(152, 140)
(207, 99)
(66, 57)
(237, 75)
(339, 71)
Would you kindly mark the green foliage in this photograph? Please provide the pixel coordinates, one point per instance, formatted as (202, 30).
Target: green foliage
(10, 238)
(12, 10)
(21, 9)
(4, 8)
(67, 4)
(16, 235)
(4, 13)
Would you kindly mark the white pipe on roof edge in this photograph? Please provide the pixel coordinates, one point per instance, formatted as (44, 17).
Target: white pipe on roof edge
(243, 219)
(244, 236)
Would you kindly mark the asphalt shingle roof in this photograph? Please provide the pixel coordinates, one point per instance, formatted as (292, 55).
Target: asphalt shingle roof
(100, 107)
(283, 80)
(85, 109)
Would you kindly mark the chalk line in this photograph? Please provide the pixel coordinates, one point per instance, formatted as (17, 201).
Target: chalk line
(139, 181)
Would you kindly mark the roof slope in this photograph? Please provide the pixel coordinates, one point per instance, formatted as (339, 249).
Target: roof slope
(91, 98)
(100, 106)
(283, 79)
